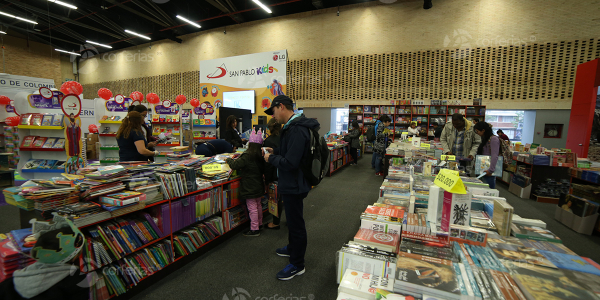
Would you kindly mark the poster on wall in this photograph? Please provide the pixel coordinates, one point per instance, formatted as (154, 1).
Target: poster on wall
(265, 73)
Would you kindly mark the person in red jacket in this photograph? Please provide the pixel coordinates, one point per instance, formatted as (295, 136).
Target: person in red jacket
(501, 135)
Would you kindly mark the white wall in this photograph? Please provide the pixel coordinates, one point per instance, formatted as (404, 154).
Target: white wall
(323, 116)
(555, 116)
(528, 127)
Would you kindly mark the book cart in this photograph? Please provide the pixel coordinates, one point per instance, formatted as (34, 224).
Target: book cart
(109, 114)
(403, 113)
(41, 136)
(219, 200)
(166, 119)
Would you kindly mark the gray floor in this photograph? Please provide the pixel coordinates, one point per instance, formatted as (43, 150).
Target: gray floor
(244, 264)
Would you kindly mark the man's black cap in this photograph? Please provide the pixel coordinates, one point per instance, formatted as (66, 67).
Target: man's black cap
(281, 99)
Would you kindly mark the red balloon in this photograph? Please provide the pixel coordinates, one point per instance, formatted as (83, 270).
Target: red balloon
(137, 96)
(104, 93)
(71, 87)
(12, 121)
(153, 98)
(194, 102)
(4, 100)
(180, 99)
(93, 128)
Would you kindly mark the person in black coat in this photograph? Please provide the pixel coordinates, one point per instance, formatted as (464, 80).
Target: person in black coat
(273, 141)
(214, 147)
(232, 135)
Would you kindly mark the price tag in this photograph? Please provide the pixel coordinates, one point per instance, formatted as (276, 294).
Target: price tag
(405, 133)
(450, 181)
(211, 167)
(410, 139)
(448, 157)
(426, 146)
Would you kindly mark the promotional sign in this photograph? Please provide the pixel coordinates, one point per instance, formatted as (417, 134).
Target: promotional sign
(162, 110)
(450, 181)
(10, 85)
(10, 109)
(204, 109)
(113, 106)
(71, 105)
(38, 101)
(166, 103)
(46, 92)
(120, 99)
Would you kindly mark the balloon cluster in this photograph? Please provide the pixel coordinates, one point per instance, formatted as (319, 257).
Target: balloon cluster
(180, 99)
(12, 121)
(4, 100)
(104, 93)
(153, 98)
(137, 96)
(71, 87)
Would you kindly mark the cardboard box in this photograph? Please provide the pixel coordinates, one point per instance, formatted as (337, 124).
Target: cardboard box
(92, 139)
(521, 192)
(584, 225)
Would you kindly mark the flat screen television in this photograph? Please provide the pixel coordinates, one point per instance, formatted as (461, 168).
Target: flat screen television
(240, 99)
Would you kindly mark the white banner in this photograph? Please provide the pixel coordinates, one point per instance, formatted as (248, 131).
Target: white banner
(12, 85)
(249, 71)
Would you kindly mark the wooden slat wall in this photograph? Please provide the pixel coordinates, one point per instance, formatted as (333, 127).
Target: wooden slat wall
(532, 73)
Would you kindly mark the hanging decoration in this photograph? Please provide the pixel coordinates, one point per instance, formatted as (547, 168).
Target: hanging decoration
(93, 128)
(194, 102)
(137, 96)
(12, 121)
(180, 99)
(4, 100)
(104, 93)
(71, 87)
(153, 98)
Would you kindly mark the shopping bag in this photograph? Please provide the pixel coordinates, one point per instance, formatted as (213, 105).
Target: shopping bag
(273, 209)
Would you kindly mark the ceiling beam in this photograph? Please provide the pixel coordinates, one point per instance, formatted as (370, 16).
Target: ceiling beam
(42, 34)
(134, 11)
(166, 16)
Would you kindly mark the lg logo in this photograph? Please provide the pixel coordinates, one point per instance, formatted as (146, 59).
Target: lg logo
(276, 57)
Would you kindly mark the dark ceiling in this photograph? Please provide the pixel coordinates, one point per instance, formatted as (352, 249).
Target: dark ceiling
(105, 21)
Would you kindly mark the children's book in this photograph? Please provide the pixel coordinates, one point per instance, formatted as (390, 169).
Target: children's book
(169, 118)
(32, 164)
(196, 122)
(47, 120)
(50, 142)
(48, 164)
(60, 144)
(36, 119)
(25, 119)
(58, 120)
(161, 118)
(176, 129)
(155, 118)
(156, 129)
(39, 142)
(116, 118)
(176, 118)
(28, 141)
(104, 118)
(572, 262)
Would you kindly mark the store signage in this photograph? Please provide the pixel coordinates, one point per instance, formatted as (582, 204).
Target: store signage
(211, 167)
(450, 181)
(71, 105)
(120, 99)
(166, 103)
(113, 106)
(448, 157)
(257, 70)
(204, 109)
(46, 93)
(38, 101)
(426, 146)
(162, 110)
(10, 109)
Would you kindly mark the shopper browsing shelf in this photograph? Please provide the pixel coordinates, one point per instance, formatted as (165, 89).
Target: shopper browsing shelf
(273, 142)
(232, 135)
(293, 186)
(380, 143)
(502, 136)
(131, 140)
(459, 139)
(490, 145)
(251, 167)
(214, 147)
(147, 129)
(354, 135)
(412, 130)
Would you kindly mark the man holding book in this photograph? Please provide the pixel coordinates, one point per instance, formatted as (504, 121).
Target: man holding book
(292, 185)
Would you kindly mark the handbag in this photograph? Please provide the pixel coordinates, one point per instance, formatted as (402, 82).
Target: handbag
(273, 196)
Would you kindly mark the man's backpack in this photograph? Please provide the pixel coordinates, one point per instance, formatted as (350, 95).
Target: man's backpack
(371, 134)
(316, 164)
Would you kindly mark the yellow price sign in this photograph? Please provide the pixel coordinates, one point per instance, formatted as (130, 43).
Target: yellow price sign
(406, 133)
(450, 181)
(448, 157)
(426, 146)
(410, 139)
(211, 167)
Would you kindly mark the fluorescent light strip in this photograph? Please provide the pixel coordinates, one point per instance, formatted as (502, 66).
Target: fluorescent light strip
(184, 19)
(134, 33)
(18, 18)
(98, 44)
(63, 4)
(2, 32)
(262, 6)
(72, 53)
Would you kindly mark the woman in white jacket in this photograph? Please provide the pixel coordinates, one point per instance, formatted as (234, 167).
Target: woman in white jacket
(412, 130)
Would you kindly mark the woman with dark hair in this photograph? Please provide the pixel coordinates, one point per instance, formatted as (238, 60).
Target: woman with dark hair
(502, 136)
(273, 141)
(380, 143)
(131, 140)
(354, 135)
(143, 110)
(232, 135)
(490, 145)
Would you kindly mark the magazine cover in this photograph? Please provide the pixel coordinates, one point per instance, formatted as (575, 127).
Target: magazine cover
(534, 233)
(483, 163)
(572, 262)
(60, 144)
(49, 143)
(36, 120)
(516, 253)
(426, 274)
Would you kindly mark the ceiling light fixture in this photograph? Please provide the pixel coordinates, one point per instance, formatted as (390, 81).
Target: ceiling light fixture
(2, 32)
(63, 4)
(186, 20)
(98, 44)
(72, 53)
(140, 35)
(262, 6)
(18, 18)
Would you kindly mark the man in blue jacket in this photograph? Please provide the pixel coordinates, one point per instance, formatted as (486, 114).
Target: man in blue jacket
(292, 185)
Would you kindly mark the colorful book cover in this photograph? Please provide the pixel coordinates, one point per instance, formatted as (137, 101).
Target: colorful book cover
(572, 262)
(36, 119)
(534, 233)
(169, 118)
(197, 134)
(518, 253)
(48, 164)
(116, 118)
(47, 120)
(104, 118)
(32, 164)
(196, 122)
(162, 118)
(425, 274)
(25, 119)
(58, 120)
(124, 195)
(155, 118)
(175, 118)
(156, 129)
(60, 144)
(28, 141)
(39, 142)
(50, 142)
(176, 129)
(587, 281)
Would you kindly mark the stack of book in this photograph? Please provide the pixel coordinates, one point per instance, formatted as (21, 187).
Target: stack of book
(365, 259)
(11, 259)
(84, 213)
(12, 197)
(376, 239)
(48, 199)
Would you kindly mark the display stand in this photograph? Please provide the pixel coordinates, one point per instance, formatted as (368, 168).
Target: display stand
(9, 136)
(339, 157)
(204, 122)
(106, 113)
(34, 152)
(166, 119)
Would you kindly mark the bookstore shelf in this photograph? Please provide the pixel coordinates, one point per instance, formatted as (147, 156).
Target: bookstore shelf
(168, 145)
(584, 180)
(111, 122)
(40, 127)
(165, 123)
(108, 134)
(205, 138)
(43, 149)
